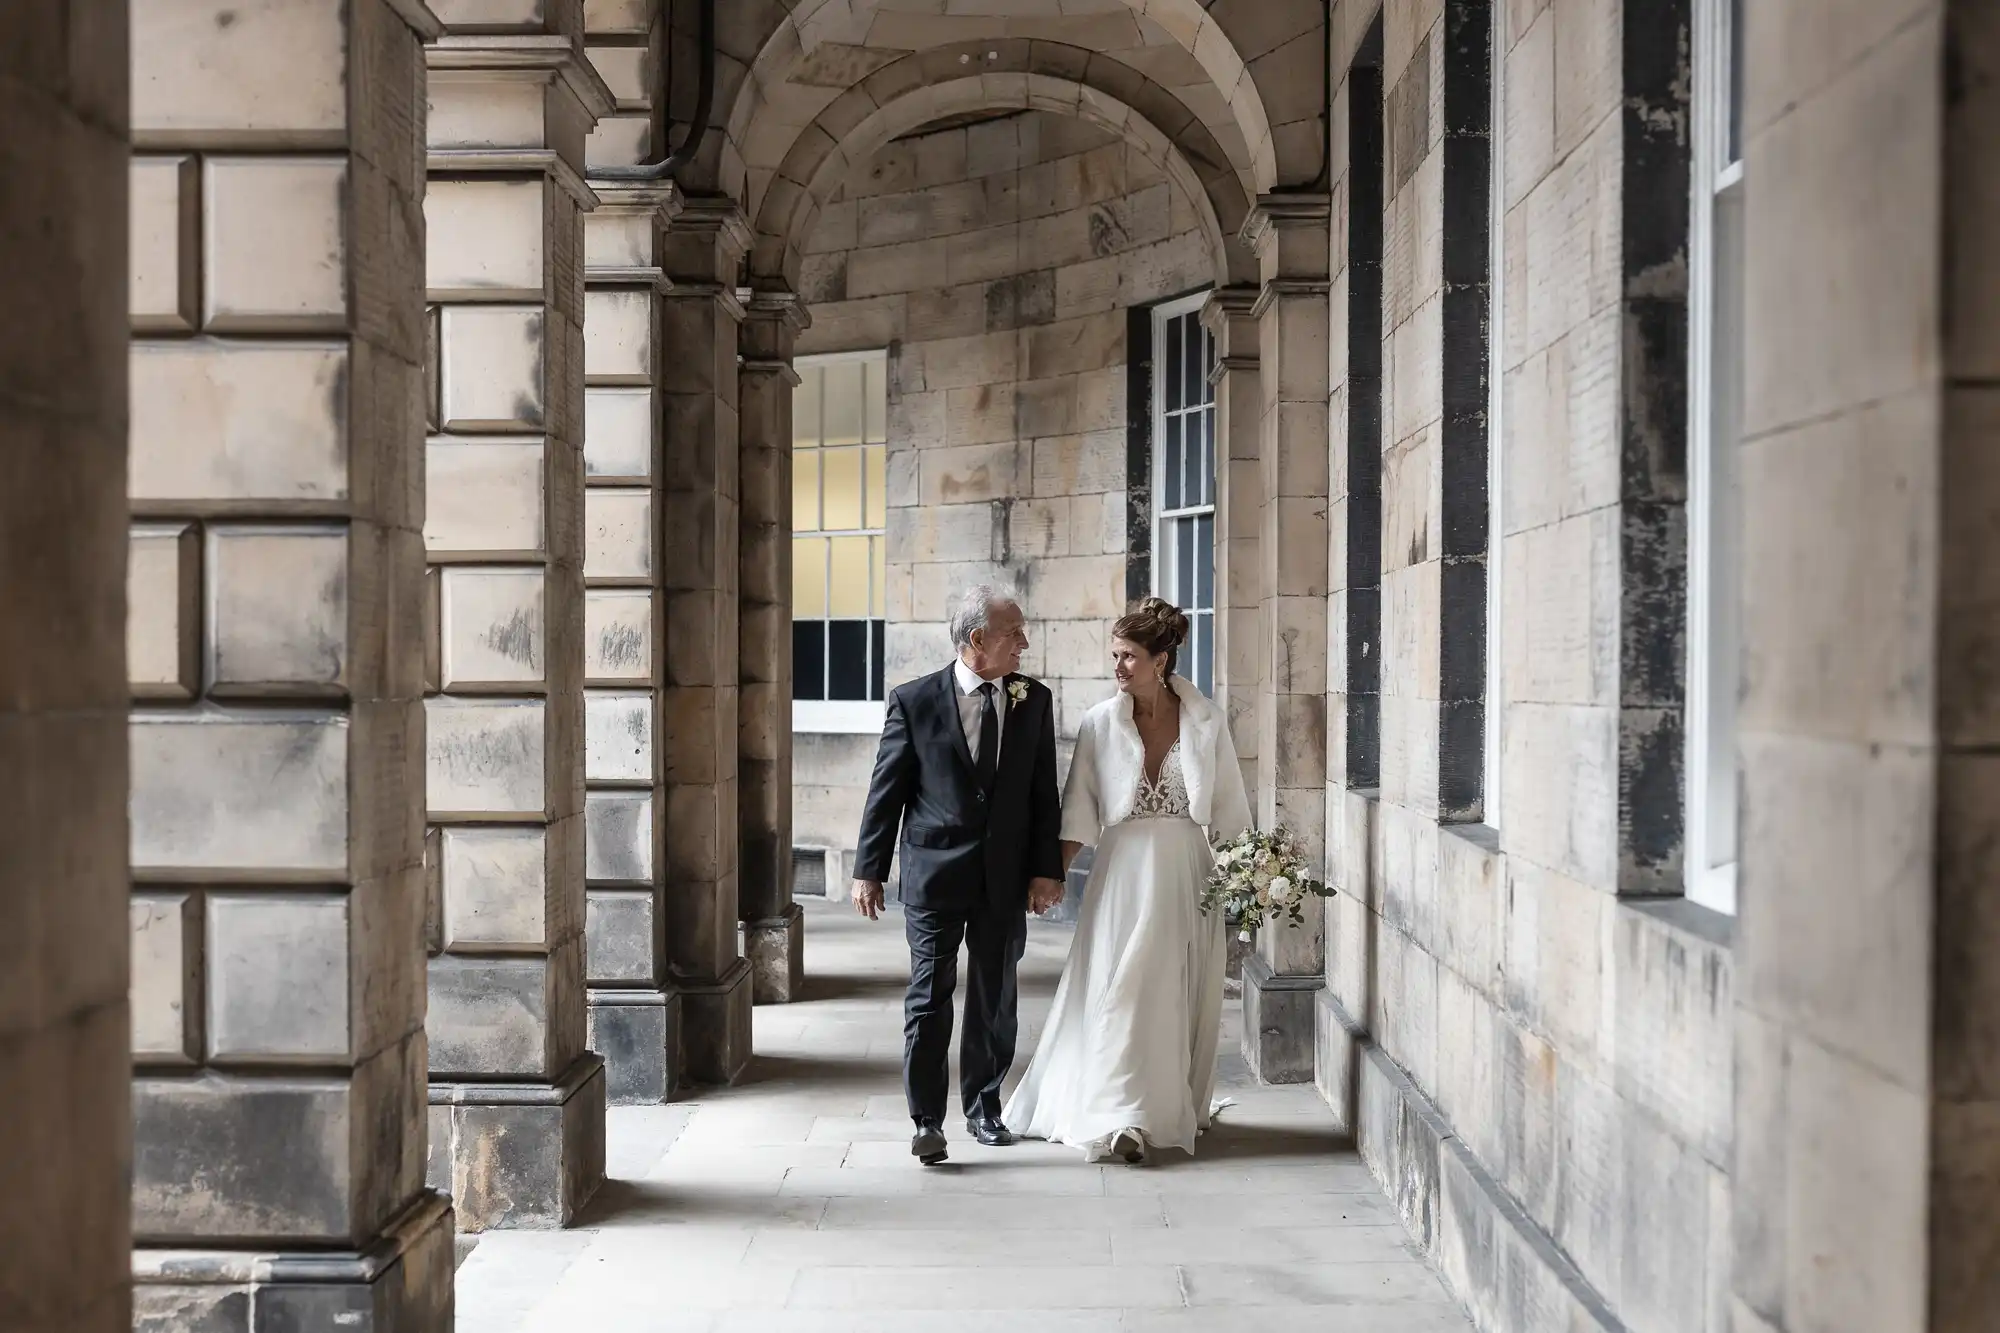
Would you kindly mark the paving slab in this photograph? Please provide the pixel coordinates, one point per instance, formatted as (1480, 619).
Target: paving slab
(789, 1203)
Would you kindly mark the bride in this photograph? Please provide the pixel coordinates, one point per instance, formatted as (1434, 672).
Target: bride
(1127, 1059)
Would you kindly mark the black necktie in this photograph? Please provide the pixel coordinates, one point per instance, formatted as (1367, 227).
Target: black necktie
(987, 763)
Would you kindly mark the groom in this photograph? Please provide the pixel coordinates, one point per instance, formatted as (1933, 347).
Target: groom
(967, 770)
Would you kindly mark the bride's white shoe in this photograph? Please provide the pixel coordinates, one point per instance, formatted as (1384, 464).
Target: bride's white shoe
(1129, 1146)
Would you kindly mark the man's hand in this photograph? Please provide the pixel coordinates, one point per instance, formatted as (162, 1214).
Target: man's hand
(1044, 894)
(867, 895)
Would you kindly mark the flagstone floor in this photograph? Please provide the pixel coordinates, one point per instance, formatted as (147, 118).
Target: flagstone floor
(790, 1204)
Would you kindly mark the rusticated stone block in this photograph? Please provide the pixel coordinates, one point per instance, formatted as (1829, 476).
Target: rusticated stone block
(274, 239)
(490, 1017)
(486, 756)
(618, 534)
(638, 1032)
(715, 1018)
(166, 976)
(1278, 1023)
(493, 363)
(278, 609)
(520, 1155)
(618, 635)
(251, 795)
(277, 978)
(213, 78)
(492, 631)
(776, 950)
(165, 222)
(618, 737)
(617, 434)
(494, 885)
(163, 610)
(275, 1160)
(621, 937)
(619, 831)
(483, 238)
(485, 496)
(215, 421)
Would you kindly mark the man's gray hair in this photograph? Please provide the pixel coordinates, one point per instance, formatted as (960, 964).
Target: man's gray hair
(973, 608)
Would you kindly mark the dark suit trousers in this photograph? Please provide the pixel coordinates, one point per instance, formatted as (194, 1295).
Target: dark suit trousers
(994, 940)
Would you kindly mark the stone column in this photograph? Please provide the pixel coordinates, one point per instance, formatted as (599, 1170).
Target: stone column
(1239, 490)
(635, 1015)
(274, 641)
(65, 1233)
(773, 925)
(1290, 235)
(698, 575)
(517, 1102)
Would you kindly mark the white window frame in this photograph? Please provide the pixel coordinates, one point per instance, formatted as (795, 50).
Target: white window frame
(1162, 516)
(844, 717)
(1712, 554)
(1496, 379)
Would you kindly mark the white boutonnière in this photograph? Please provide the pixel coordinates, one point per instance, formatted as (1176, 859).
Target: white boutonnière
(1017, 690)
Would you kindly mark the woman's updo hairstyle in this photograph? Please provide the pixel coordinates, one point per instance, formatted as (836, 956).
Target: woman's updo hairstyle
(1156, 625)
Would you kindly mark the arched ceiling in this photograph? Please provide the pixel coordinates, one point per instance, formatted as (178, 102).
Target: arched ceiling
(1012, 74)
(1246, 78)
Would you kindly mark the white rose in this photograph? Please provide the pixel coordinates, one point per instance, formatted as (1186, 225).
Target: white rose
(1283, 890)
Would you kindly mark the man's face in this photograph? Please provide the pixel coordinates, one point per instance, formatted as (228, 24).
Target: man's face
(997, 649)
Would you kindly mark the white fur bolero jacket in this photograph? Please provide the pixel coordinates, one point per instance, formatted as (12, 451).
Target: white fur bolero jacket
(1110, 760)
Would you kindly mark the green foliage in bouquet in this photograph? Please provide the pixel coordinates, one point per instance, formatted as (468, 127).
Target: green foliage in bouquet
(1260, 877)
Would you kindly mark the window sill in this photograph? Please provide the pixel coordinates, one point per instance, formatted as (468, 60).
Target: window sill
(816, 717)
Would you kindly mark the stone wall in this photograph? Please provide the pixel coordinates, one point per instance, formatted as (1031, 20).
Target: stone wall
(997, 262)
(1532, 1043)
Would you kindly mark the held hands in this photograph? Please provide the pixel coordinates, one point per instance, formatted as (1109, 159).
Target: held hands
(867, 895)
(1044, 894)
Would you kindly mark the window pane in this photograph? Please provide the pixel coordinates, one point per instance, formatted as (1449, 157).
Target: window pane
(1169, 373)
(843, 402)
(842, 468)
(808, 578)
(878, 486)
(1196, 371)
(1184, 585)
(848, 596)
(805, 490)
(1208, 456)
(847, 659)
(1191, 459)
(1204, 561)
(1169, 470)
(878, 563)
(809, 659)
(1733, 149)
(875, 400)
(1207, 394)
(877, 631)
(805, 407)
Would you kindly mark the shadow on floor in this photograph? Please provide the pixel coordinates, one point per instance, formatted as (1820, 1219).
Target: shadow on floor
(830, 1073)
(836, 987)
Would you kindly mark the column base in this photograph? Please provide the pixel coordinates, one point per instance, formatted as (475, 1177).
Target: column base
(776, 950)
(715, 1025)
(1279, 1022)
(400, 1284)
(638, 1032)
(520, 1155)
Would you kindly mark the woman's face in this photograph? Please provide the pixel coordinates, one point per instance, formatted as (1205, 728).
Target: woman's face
(1135, 669)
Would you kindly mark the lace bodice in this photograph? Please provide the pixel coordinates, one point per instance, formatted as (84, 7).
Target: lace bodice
(1167, 798)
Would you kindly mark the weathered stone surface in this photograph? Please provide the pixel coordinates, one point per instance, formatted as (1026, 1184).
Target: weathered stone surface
(240, 795)
(521, 1156)
(277, 977)
(638, 1034)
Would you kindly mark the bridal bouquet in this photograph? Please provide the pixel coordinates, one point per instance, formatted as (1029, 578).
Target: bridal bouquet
(1259, 877)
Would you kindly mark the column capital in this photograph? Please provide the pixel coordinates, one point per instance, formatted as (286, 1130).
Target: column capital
(1291, 235)
(773, 318)
(625, 230)
(542, 57)
(706, 242)
(1229, 315)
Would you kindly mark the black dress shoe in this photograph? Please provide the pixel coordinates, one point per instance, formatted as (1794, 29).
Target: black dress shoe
(989, 1131)
(928, 1145)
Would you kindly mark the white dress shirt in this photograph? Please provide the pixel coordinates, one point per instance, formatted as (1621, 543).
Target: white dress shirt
(971, 704)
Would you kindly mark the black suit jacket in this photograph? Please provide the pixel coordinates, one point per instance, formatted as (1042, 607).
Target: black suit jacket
(962, 847)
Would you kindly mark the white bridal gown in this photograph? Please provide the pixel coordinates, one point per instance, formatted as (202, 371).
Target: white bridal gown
(1130, 1041)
